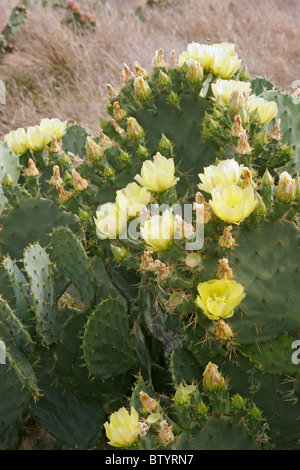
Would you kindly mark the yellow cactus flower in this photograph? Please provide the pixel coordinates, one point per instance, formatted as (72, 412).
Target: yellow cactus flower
(266, 110)
(218, 298)
(157, 175)
(132, 199)
(232, 203)
(205, 53)
(17, 141)
(158, 231)
(36, 137)
(223, 89)
(225, 66)
(226, 172)
(110, 221)
(123, 429)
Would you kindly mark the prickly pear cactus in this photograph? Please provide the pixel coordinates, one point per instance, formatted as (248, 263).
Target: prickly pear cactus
(176, 230)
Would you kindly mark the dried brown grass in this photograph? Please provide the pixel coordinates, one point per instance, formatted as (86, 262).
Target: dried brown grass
(57, 73)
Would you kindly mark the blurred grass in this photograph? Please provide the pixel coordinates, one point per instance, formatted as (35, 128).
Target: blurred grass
(58, 73)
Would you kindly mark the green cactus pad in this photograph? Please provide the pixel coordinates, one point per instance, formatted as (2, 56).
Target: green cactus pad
(259, 85)
(274, 357)
(72, 422)
(74, 140)
(23, 369)
(74, 375)
(273, 394)
(22, 338)
(217, 434)
(32, 221)
(108, 344)
(185, 366)
(14, 400)
(40, 271)
(71, 256)
(288, 113)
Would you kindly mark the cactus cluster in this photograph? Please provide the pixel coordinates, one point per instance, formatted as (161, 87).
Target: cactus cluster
(17, 17)
(175, 231)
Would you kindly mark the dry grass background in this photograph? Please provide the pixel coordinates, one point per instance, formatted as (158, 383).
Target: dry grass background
(57, 73)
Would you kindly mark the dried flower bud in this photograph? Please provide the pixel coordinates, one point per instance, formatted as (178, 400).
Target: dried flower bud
(112, 92)
(224, 271)
(182, 228)
(161, 269)
(64, 195)
(275, 131)
(165, 433)
(55, 146)
(140, 72)
(56, 179)
(75, 159)
(147, 263)
(126, 75)
(243, 147)
(149, 404)
(119, 113)
(237, 127)
(32, 170)
(158, 59)
(173, 60)
(227, 240)
(143, 428)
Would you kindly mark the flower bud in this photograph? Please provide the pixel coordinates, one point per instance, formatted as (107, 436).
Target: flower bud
(63, 195)
(223, 331)
(267, 179)
(224, 271)
(56, 179)
(238, 402)
(286, 189)
(108, 172)
(158, 59)
(140, 72)
(124, 156)
(163, 78)
(212, 379)
(119, 113)
(227, 240)
(75, 159)
(201, 409)
(149, 404)
(262, 137)
(118, 252)
(195, 71)
(237, 99)
(94, 151)
(243, 147)
(80, 184)
(164, 143)
(173, 60)
(183, 394)
(173, 97)
(126, 75)
(83, 215)
(244, 73)
(255, 412)
(237, 127)
(244, 114)
(142, 90)
(32, 170)
(112, 92)
(134, 130)
(7, 180)
(55, 146)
